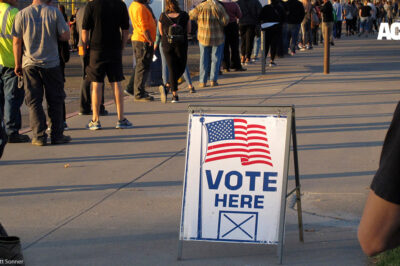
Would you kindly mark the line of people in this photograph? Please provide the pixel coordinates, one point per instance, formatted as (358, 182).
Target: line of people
(228, 34)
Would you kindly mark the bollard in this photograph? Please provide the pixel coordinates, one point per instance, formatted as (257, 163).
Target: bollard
(327, 44)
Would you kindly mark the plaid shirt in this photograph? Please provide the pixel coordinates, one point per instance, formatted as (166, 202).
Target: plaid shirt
(211, 18)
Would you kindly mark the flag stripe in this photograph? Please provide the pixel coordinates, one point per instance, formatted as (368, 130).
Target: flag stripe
(224, 157)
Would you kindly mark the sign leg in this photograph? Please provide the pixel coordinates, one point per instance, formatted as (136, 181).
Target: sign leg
(180, 248)
(297, 178)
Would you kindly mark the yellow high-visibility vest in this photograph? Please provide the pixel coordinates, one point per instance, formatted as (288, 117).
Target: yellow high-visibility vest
(7, 16)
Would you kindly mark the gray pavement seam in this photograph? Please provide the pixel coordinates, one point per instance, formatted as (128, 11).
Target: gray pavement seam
(73, 217)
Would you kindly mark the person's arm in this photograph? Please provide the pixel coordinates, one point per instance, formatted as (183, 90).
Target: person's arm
(17, 48)
(85, 40)
(189, 27)
(379, 228)
(125, 36)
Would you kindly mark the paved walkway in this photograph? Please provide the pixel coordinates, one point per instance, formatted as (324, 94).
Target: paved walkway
(113, 197)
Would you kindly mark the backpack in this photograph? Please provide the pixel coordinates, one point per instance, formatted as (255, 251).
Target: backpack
(176, 33)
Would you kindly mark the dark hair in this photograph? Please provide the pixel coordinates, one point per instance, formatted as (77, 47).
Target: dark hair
(172, 6)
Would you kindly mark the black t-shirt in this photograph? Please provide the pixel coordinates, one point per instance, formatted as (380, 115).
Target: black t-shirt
(386, 183)
(327, 12)
(182, 20)
(104, 19)
(366, 11)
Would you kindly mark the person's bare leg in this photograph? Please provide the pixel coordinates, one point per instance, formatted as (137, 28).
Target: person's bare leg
(97, 93)
(119, 99)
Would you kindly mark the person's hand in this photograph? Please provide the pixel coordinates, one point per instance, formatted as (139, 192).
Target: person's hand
(18, 70)
(155, 47)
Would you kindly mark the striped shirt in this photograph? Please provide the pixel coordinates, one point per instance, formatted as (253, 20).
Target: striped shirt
(211, 18)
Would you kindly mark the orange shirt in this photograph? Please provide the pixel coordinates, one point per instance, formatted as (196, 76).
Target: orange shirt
(142, 20)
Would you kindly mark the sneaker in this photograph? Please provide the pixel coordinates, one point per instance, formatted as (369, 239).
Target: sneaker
(129, 93)
(39, 141)
(202, 85)
(332, 43)
(292, 53)
(163, 93)
(103, 112)
(18, 138)
(192, 90)
(93, 125)
(214, 84)
(226, 70)
(302, 49)
(175, 99)
(61, 140)
(124, 124)
(309, 47)
(85, 113)
(255, 59)
(272, 64)
(143, 98)
(66, 126)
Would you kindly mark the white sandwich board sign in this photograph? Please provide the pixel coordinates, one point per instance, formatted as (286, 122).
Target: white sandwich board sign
(235, 180)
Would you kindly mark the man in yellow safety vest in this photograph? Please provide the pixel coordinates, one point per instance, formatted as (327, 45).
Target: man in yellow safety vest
(11, 96)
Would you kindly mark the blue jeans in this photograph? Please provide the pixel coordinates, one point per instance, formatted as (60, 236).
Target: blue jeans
(292, 33)
(364, 24)
(11, 99)
(165, 73)
(210, 62)
(257, 45)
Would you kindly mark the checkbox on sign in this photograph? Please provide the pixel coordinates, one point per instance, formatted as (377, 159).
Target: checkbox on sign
(237, 226)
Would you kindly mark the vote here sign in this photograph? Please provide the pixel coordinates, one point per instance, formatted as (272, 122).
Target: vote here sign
(233, 178)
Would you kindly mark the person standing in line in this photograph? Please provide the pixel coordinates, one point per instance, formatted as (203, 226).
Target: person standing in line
(338, 9)
(107, 40)
(295, 15)
(247, 26)
(348, 16)
(174, 26)
(365, 15)
(143, 38)
(272, 13)
(327, 21)
(306, 26)
(164, 67)
(85, 106)
(231, 58)
(372, 20)
(11, 96)
(389, 12)
(35, 33)
(211, 18)
(74, 31)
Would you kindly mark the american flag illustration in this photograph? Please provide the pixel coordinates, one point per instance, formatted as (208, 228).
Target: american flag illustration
(235, 138)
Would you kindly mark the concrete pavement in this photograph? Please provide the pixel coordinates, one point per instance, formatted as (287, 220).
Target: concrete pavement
(113, 197)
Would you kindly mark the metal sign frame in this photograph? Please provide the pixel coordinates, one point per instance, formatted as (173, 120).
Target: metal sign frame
(283, 110)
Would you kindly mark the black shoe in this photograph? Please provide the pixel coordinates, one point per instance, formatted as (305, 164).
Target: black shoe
(85, 113)
(61, 140)
(332, 43)
(18, 138)
(39, 141)
(130, 93)
(143, 98)
(103, 112)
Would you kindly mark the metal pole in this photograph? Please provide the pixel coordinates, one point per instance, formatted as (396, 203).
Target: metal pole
(263, 55)
(297, 178)
(326, 34)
